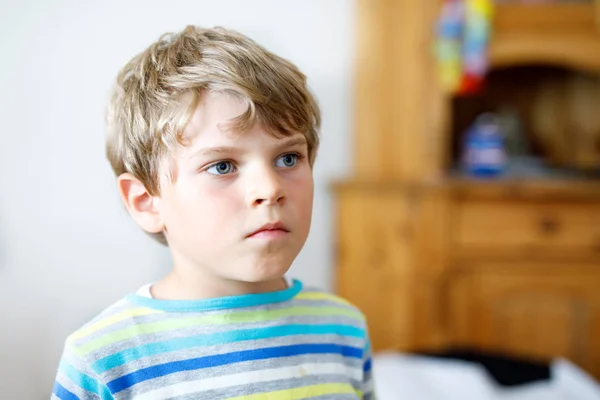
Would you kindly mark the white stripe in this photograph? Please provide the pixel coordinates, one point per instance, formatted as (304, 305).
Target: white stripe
(368, 387)
(265, 375)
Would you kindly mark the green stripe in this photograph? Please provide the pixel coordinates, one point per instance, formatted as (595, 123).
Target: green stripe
(224, 319)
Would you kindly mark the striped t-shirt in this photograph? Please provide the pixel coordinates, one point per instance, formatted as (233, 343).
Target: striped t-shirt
(291, 344)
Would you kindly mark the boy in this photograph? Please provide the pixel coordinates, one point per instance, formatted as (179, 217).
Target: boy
(213, 139)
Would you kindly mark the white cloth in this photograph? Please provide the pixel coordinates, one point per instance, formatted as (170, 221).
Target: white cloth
(397, 376)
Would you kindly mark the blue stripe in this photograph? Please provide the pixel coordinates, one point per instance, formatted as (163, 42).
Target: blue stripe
(220, 303)
(63, 393)
(135, 353)
(367, 365)
(80, 379)
(84, 381)
(145, 374)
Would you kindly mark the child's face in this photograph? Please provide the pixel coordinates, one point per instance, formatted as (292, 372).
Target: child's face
(226, 187)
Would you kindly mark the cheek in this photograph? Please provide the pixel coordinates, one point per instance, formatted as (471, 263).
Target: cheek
(216, 203)
(302, 188)
(198, 205)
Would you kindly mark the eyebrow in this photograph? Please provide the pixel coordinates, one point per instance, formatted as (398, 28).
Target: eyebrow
(294, 141)
(214, 151)
(220, 150)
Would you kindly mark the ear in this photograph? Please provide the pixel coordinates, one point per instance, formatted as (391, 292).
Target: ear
(142, 206)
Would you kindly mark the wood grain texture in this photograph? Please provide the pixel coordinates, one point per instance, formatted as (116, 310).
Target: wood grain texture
(433, 261)
(546, 228)
(399, 106)
(574, 51)
(373, 264)
(539, 311)
(558, 34)
(545, 18)
(432, 269)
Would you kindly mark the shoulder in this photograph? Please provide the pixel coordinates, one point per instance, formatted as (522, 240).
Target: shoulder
(331, 309)
(319, 298)
(108, 312)
(116, 318)
(77, 375)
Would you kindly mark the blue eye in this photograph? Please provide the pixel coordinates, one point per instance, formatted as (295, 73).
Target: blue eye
(287, 160)
(221, 168)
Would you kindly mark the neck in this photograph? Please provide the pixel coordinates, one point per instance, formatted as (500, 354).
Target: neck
(185, 285)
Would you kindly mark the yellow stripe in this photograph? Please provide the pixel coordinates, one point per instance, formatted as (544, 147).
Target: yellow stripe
(113, 319)
(323, 296)
(223, 319)
(303, 392)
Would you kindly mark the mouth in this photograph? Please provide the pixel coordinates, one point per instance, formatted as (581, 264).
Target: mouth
(270, 231)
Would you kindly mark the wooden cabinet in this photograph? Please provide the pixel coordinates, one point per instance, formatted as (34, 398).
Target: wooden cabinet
(436, 261)
(511, 267)
(500, 226)
(403, 118)
(537, 310)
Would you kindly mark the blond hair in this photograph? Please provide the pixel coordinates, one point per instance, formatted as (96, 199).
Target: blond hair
(157, 92)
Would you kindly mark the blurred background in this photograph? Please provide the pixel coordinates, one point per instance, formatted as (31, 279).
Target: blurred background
(457, 197)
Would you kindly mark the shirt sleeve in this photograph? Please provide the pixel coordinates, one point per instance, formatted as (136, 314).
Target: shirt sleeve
(75, 380)
(367, 383)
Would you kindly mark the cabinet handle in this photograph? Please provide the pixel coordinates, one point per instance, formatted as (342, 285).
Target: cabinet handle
(549, 225)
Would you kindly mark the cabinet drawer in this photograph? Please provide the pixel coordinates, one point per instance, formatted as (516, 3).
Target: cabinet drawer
(528, 226)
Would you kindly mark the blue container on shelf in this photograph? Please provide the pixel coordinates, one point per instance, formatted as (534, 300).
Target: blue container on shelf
(484, 153)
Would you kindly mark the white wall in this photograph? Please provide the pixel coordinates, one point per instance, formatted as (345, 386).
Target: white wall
(67, 247)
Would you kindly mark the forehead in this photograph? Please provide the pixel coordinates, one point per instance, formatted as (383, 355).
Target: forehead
(209, 124)
(211, 116)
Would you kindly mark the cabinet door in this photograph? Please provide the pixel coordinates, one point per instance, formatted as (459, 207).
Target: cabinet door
(373, 261)
(541, 311)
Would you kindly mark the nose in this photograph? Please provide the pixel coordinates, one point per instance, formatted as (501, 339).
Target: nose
(265, 188)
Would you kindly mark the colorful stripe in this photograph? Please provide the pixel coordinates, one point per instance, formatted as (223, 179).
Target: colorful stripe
(150, 349)
(113, 319)
(82, 380)
(250, 377)
(231, 318)
(221, 303)
(303, 392)
(144, 374)
(63, 393)
(320, 296)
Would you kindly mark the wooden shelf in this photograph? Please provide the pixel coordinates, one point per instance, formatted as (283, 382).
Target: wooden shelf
(532, 189)
(556, 34)
(546, 18)
(524, 188)
(575, 51)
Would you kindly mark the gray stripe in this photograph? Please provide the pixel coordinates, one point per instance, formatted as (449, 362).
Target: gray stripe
(245, 366)
(208, 329)
(228, 348)
(263, 387)
(255, 388)
(73, 388)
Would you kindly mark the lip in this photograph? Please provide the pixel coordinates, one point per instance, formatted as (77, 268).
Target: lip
(270, 229)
